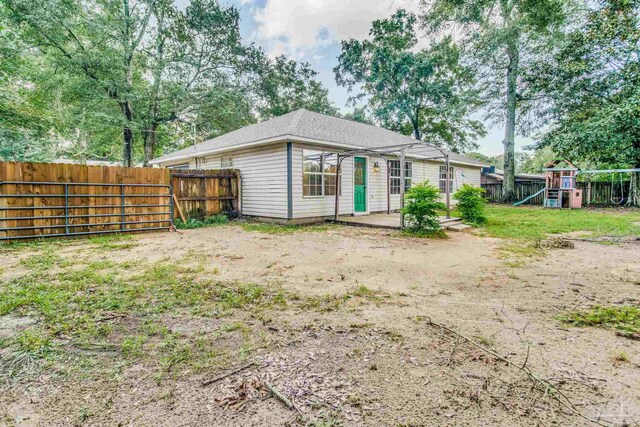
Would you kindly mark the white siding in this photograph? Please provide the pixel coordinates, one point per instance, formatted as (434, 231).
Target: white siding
(421, 171)
(263, 171)
(309, 207)
(264, 181)
(377, 188)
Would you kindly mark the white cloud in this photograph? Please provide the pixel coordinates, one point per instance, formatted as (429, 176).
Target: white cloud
(298, 27)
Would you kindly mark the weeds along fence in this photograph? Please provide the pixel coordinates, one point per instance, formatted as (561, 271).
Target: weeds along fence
(597, 193)
(57, 200)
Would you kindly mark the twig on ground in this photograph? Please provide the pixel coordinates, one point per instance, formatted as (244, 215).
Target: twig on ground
(631, 335)
(556, 394)
(107, 318)
(284, 399)
(228, 374)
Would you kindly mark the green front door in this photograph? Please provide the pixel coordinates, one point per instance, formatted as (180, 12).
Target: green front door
(360, 184)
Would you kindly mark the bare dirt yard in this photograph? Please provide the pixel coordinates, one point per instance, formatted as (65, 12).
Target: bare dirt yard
(323, 326)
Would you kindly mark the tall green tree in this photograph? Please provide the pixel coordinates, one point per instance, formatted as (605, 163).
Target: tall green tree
(285, 85)
(359, 114)
(593, 85)
(101, 42)
(502, 37)
(26, 113)
(427, 93)
(194, 59)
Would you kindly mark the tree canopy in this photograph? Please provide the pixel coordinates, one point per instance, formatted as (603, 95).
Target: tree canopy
(592, 85)
(426, 93)
(502, 38)
(126, 80)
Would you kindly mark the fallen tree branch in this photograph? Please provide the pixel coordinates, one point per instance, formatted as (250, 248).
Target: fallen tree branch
(556, 394)
(284, 399)
(228, 374)
(629, 335)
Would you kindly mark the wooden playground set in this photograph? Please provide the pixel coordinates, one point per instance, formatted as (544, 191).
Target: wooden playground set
(561, 189)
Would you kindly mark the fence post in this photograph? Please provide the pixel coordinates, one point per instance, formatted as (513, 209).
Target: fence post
(66, 208)
(122, 207)
(171, 208)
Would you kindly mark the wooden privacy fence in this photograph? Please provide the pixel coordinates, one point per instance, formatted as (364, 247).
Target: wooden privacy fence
(55, 200)
(51, 200)
(598, 193)
(202, 193)
(523, 190)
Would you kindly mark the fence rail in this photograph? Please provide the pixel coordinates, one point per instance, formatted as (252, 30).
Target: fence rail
(594, 194)
(58, 200)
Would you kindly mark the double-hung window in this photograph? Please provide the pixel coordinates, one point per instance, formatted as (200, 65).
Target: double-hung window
(394, 176)
(226, 162)
(319, 173)
(443, 179)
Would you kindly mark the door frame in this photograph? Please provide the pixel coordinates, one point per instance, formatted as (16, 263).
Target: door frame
(366, 186)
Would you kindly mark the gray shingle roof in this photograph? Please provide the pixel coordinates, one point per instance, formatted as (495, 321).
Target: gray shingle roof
(310, 125)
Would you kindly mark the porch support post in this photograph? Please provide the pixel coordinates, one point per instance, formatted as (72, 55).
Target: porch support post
(402, 172)
(338, 179)
(289, 180)
(388, 186)
(447, 190)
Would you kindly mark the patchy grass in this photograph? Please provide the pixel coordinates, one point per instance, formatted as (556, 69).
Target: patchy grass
(620, 356)
(268, 228)
(100, 313)
(528, 227)
(435, 234)
(43, 260)
(113, 241)
(211, 221)
(535, 223)
(625, 318)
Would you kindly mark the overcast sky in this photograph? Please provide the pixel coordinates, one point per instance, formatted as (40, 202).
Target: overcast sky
(311, 30)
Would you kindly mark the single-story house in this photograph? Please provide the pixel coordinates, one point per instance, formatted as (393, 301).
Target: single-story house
(496, 176)
(288, 166)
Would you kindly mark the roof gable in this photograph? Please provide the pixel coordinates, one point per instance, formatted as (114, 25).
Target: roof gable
(560, 164)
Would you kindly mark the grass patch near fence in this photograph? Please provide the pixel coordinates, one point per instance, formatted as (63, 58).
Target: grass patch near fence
(269, 228)
(625, 318)
(535, 223)
(210, 221)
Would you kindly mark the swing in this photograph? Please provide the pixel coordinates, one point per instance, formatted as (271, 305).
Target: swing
(617, 200)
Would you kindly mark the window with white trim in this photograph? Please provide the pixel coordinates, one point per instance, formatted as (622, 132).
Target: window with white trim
(226, 162)
(394, 176)
(319, 173)
(443, 178)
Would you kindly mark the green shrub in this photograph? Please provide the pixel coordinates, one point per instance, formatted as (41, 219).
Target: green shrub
(421, 204)
(471, 204)
(210, 221)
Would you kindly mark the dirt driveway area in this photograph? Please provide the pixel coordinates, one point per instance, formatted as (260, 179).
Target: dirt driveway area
(335, 326)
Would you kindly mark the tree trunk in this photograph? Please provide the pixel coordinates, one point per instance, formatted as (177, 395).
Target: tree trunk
(149, 141)
(634, 185)
(634, 189)
(509, 183)
(415, 123)
(127, 134)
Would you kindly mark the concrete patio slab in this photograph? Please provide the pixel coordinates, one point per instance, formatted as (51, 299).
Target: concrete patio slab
(385, 220)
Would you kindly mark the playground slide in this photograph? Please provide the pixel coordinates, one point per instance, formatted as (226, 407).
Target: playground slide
(528, 198)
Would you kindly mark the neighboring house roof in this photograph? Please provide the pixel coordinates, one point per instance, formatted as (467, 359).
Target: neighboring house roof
(86, 162)
(306, 126)
(499, 174)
